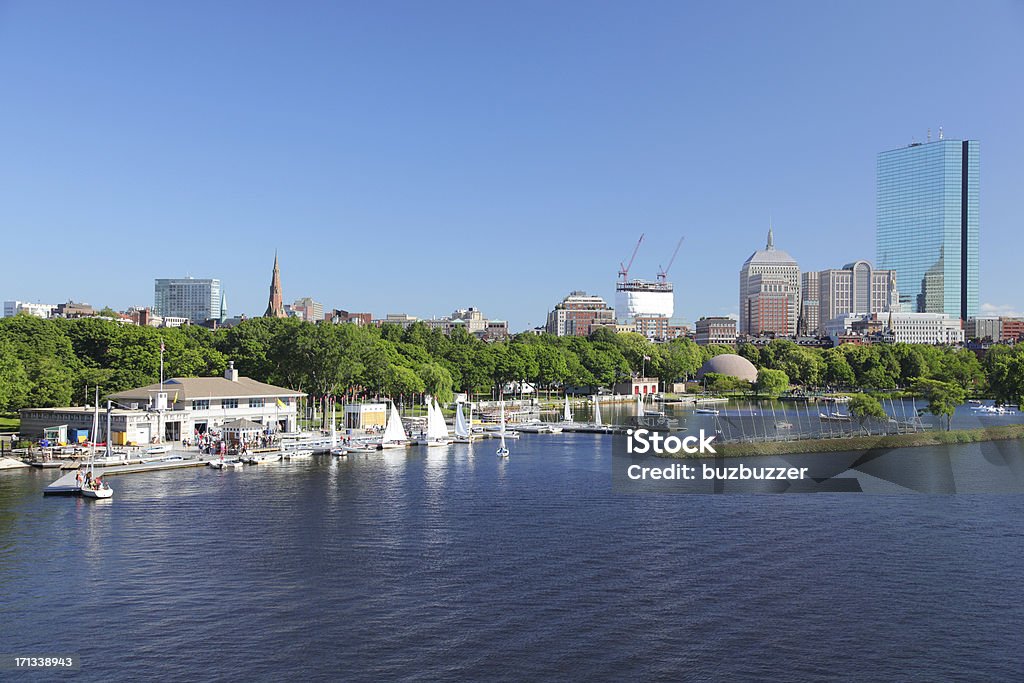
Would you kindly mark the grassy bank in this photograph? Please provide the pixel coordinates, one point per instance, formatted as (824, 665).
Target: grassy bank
(867, 443)
(10, 422)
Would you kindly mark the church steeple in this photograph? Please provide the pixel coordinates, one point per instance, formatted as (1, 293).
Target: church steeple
(275, 307)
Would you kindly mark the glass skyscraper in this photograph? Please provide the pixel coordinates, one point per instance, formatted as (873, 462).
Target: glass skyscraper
(927, 225)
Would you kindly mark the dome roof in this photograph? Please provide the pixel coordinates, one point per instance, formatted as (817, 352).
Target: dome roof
(771, 255)
(729, 364)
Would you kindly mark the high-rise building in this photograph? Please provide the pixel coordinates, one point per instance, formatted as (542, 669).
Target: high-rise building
(769, 292)
(810, 303)
(579, 314)
(197, 299)
(927, 225)
(855, 288)
(275, 304)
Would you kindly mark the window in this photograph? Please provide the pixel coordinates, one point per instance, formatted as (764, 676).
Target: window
(256, 402)
(229, 403)
(203, 404)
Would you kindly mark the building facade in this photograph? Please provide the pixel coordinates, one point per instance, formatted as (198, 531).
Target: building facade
(309, 310)
(927, 225)
(716, 330)
(195, 299)
(579, 314)
(181, 408)
(769, 292)
(900, 327)
(13, 308)
(810, 303)
(855, 288)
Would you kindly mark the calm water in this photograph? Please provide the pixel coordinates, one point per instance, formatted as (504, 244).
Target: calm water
(453, 565)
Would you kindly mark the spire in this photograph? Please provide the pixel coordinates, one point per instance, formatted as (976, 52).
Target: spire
(275, 306)
(771, 238)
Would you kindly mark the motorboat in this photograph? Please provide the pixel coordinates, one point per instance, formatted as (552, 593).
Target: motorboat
(298, 454)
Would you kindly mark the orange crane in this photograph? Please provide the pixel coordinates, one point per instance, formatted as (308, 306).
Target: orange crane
(663, 272)
(624, 267)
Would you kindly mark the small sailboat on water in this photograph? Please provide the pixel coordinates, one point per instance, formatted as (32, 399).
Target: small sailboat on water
(463, 428)
(437, 429)
(502, 449)
(93, 486)
(394, 433)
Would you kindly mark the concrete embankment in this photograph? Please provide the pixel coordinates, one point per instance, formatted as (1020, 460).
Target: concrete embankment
(867, 443)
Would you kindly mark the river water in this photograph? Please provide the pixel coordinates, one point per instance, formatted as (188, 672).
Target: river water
(450, 564)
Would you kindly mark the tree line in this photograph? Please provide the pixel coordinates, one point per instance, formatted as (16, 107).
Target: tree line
(46, 363)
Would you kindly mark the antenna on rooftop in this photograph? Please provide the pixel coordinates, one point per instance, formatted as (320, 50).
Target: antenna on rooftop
(940, 132)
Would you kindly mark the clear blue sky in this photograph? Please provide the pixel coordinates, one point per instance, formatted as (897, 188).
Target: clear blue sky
(421, 156)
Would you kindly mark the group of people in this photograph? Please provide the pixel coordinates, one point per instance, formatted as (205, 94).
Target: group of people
(85, 480)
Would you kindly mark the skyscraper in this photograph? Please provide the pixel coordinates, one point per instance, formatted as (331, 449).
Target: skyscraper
(275, 304)
(769, 292)
(927, 224)
(198, 299)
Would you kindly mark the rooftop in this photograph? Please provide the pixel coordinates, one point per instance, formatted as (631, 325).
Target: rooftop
(189, 388)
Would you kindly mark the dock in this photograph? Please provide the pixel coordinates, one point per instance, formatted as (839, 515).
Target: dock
(67, 484)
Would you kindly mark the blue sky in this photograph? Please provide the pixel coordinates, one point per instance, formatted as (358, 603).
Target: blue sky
(421, 156)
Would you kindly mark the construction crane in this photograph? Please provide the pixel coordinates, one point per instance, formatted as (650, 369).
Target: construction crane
(624, 267)
(663, 272)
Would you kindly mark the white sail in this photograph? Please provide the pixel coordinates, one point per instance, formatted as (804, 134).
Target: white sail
(461, 428)
(639, 405)
(394, 432)
(436, 428)
(567, 412)
(597, 412)
(503, 418)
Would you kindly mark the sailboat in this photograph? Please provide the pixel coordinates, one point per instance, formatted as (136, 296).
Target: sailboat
(597, 414)
(502, 449)
(437, 430)
(567, 412)
(463, 433)
(394, 433)
(95, 487)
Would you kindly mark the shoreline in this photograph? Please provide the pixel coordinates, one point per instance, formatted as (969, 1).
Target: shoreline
(865, 443)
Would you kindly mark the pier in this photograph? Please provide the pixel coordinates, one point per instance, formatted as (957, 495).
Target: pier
(67, 484)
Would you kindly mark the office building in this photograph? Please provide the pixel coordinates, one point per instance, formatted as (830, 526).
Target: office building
(309, 310)
(579, 314)
(810, 303)
(195, 299)
(716, 330)
(769, 292)
(13, 308)
(855, 288)
(927, 225)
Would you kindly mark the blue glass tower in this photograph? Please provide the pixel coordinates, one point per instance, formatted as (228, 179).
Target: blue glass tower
(927, 225)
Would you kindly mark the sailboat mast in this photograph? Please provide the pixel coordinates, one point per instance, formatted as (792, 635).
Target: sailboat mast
(109, 404)
(95, 430)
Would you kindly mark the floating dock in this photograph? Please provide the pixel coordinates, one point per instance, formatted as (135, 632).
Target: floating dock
(67, 484)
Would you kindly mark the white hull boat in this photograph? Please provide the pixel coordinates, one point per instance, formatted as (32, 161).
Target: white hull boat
(103, 491)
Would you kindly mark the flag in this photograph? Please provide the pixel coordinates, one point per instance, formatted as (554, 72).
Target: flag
(280, 404)
(175, 399)
(647, 357)
(161, 346)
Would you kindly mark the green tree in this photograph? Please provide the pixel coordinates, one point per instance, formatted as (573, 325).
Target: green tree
(864, 407)
(943, 397)
(771, 382)
(437, 381)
